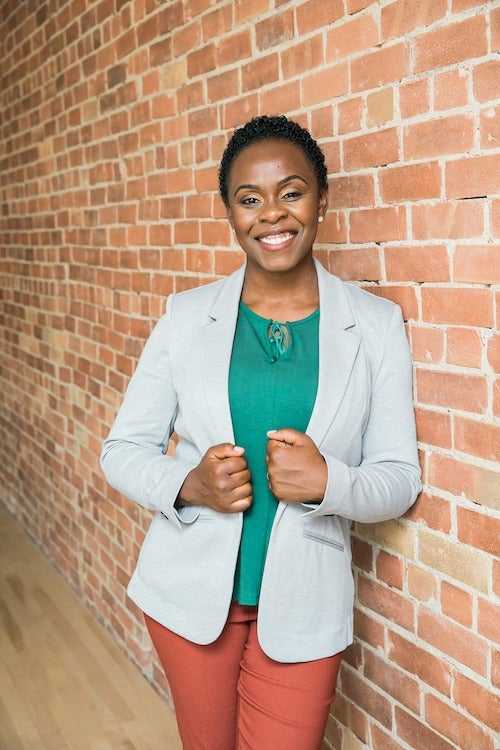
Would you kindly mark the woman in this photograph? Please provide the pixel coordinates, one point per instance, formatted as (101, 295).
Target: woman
(290, 393)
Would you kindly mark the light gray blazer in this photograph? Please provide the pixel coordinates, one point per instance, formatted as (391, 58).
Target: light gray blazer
(362, 422)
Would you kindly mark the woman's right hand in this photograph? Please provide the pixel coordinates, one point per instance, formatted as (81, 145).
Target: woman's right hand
(221, 481)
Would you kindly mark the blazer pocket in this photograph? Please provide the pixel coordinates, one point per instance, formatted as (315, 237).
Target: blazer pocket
(322, 539)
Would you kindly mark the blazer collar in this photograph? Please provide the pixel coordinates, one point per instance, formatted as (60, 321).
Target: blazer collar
(339, 340)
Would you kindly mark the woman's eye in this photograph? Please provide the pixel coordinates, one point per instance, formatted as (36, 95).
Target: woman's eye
(249, 201)
(292, 195)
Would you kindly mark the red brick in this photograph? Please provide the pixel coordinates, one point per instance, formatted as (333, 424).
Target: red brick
(362, 555)
(348, 714)
(315, 14)
(422, 584)
(352, 190)
(350, 114)
(466, 480)
(235, 47)
(490, 128)
(417, 263)
(427, 344)
(454, 43)
(476, 438)
(383, 741)
(450, 89)
(369, 629)
(354, 6)
(488, 619)
(356, 265)
(358, 34)
(437, 137)
(403, 16)
(411, 182)
(464, 347)
(494, 352)
(457, 604)
(414, 97)
(473, 177)
(485, 80)
(260, 72)
(479, 264)
(418, 736)
(470, 307)
(452, 390)
(217, 23)
(325, 84)
(372, 150)
(431, 510)
(308, 54)
(390, 569)
(285, 98)
(495, 28)
(448, 220)
(366, 697)
(386, 602)
(455, 726)
(275, 30)
(495, 669)
(378, 224)
(496, 577)
(388, 64)
(391, 680)
(496, 397)
(417, 661)
(334, 228)
(479, 702)
(479, 531)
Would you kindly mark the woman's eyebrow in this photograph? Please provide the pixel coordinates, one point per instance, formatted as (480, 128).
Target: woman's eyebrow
(280, 183)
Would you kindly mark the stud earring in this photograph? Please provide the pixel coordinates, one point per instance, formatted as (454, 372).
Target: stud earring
(320, 219)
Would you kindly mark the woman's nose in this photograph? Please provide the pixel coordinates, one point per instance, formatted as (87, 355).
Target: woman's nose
(272, 211)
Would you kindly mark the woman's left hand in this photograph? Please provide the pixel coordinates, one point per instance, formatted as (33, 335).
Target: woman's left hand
(296, 470)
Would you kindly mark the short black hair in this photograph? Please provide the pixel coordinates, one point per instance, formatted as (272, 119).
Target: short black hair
(274, 128)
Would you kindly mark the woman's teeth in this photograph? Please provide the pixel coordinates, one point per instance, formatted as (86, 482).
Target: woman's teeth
(276, 239)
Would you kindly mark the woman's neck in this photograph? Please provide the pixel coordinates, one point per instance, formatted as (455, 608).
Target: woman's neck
(283, 297)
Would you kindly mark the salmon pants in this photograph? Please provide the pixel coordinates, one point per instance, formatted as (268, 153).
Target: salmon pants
(229, 695)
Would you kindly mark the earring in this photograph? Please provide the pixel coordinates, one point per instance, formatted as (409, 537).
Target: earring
(320, 219)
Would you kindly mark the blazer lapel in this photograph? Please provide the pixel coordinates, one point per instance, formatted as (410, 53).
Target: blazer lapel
(339, 341)
(216, 347)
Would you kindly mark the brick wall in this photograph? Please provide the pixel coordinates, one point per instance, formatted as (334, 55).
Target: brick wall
(114, 116)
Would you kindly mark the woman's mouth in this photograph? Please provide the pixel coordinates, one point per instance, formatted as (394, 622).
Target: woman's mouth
(276, 241)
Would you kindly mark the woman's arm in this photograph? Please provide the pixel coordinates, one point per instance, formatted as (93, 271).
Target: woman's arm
(387, 480)
(133, 455)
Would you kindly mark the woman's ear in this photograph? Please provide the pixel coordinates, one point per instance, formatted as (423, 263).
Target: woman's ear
(323, 204)
(229, 215)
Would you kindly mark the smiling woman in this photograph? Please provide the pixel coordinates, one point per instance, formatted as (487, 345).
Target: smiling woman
(290, 393)
(274, 204)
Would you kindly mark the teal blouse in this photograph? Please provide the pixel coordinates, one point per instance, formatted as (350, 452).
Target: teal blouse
(273, 381)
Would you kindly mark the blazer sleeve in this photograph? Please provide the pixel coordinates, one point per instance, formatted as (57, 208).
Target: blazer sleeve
(133, 455)
(387, 481)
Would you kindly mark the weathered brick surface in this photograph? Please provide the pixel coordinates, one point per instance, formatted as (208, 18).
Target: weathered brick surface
(114, 116)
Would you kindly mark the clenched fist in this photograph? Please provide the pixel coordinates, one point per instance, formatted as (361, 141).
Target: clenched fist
(221, 481)
(296, 469)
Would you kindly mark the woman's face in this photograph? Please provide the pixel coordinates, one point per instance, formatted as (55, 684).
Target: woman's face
(274, 205)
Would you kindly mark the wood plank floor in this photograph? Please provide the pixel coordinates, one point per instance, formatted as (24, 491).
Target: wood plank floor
(64, 683)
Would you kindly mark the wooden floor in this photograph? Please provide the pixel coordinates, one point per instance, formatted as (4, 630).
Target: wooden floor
(64, 684)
